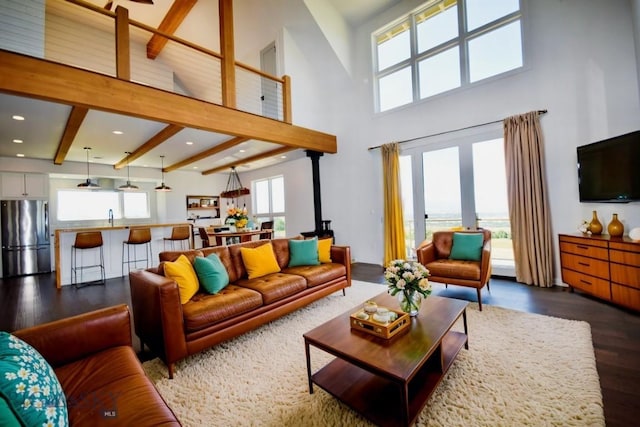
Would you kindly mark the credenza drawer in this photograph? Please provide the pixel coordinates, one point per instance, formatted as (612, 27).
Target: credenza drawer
(584, 241)
(623, 257)
(625, 274)
(585, 250)
(590, 266)
(593, 285)
(628, 297)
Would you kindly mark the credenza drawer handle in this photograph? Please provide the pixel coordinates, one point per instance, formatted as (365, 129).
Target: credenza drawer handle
(584, 264)
(584, 281)
(586, 248)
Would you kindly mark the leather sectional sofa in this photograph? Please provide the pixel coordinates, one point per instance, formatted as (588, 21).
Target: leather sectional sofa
(173, 330)
(100, 374)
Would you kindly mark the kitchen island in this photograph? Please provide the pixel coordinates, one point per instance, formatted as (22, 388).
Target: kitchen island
(112, 237)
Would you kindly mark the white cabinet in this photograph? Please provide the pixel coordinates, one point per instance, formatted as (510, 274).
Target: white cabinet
(21, 185)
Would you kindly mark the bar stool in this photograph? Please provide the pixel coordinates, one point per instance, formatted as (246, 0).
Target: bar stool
(137, 236)
(178, 234)
(84, 241)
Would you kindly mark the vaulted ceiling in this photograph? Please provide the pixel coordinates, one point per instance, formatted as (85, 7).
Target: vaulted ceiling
(59, 130)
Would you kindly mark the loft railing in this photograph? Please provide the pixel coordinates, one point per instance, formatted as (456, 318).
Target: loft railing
(86, 36)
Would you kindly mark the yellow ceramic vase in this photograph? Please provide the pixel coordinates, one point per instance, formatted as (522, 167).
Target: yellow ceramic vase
(615, 227)
(595, 227)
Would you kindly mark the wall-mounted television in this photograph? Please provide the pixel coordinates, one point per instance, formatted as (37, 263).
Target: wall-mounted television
(609, 170)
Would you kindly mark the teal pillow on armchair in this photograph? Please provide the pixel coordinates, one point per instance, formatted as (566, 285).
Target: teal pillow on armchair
(467, 246)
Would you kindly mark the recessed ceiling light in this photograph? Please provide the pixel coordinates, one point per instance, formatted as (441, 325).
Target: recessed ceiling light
(189, 142)
(18, 141)
(117, 132)
(19, 155)
(16, 117)
(283, 157)
(243, 150)
(195, 167)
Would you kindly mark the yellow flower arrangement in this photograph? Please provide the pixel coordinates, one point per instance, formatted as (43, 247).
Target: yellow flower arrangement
(239, 216)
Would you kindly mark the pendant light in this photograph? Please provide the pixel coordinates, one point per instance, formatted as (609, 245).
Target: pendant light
(88, 184)
(128, 186)
(234, 186)
(162, 187)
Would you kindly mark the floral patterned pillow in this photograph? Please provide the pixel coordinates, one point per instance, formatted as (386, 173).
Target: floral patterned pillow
(29, 385)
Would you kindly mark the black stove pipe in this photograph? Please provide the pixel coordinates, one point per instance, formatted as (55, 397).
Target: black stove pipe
(317, 202)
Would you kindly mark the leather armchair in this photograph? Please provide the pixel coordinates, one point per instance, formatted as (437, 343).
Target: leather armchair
(434, 255)
(99, 372)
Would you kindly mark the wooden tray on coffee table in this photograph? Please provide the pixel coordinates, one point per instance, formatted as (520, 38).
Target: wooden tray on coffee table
(383, 330)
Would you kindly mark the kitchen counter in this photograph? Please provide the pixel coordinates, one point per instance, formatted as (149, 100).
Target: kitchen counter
(112, 237)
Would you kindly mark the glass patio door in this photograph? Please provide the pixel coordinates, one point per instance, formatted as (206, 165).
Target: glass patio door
(458, 183)
(442, 193)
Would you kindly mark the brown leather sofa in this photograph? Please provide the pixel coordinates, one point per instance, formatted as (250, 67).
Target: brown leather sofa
(99, 372)
(174, 331)
(435, 254)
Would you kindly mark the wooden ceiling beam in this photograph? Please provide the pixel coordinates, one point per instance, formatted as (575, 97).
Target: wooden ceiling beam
(272, 153)
(170, 23)
(152, 143)
(206, 153)
(76, 117)
(23, 75)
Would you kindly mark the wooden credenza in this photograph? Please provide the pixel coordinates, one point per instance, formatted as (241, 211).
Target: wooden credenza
(605, 267)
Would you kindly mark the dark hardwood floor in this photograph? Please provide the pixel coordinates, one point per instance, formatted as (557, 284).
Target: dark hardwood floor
(31, 300)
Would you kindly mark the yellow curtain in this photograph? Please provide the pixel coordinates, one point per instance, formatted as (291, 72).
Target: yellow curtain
(394, 247)
(528, 205)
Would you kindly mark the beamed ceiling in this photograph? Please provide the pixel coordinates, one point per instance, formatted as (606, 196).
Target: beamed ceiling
(67, 108)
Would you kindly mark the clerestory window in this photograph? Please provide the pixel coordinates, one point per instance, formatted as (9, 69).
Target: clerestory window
(444, 45)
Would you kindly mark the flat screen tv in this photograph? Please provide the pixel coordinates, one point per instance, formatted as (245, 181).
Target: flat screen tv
(609, 170)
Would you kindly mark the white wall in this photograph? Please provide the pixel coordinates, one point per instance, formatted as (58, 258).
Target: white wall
(580, 65)
(635, 9)
(298, 189)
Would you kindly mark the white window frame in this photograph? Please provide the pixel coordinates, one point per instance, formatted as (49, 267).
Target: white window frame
(461, 41)
(103, 214)
(271, 215)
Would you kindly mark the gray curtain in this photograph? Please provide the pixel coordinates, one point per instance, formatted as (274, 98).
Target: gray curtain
(528, 200)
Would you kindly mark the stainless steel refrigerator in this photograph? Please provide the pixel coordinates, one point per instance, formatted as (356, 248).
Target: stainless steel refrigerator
(25, 237)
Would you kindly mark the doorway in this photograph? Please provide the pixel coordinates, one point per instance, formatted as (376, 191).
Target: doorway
(270, 100)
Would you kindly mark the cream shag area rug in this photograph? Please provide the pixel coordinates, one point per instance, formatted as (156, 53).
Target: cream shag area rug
(521, 369)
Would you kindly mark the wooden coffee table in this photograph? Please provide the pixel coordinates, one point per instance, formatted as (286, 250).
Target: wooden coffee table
(389, 381)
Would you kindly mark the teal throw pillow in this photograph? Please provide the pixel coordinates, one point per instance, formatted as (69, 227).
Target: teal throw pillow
(467, 246)
(212, 275)
(29, 386)
(303, 252)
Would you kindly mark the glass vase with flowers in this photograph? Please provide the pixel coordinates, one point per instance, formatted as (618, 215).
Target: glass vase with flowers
(409, 281)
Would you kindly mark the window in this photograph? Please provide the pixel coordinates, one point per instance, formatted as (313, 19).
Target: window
(268, 202)
(83, 205)
(136, 205)
(444, 45)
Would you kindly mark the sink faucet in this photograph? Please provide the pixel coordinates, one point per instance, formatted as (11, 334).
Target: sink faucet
(111, 217)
